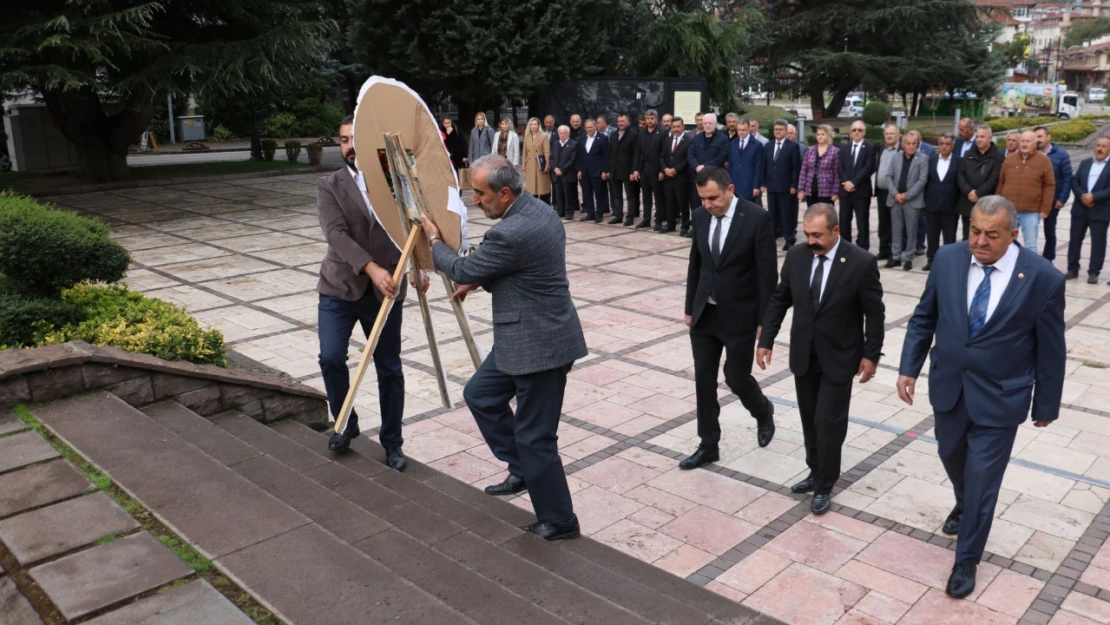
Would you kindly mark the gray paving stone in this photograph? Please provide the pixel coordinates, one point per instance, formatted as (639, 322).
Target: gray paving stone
(215, 509)
(20, 450)
(201, 433)
(195, 603)
(11, 423)
(63, 527)
(39, 485)
(329, 575)
(269, 442)
(83, 582)
(14, 607)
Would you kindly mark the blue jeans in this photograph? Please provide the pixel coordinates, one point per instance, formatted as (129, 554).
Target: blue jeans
(1029, 224)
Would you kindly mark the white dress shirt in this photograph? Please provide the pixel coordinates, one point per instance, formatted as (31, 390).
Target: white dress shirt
(856, 148)
(830, 256)
(942, 166)
(590, 141)
(966, 146)
(360, 181)
(675, 141)
(726, 221)
(1092, 176)
(1000, 278)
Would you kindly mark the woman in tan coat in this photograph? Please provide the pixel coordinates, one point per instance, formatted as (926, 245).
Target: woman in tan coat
(536, 144)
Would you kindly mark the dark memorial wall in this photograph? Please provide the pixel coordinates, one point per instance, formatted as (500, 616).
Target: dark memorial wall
(591, 97)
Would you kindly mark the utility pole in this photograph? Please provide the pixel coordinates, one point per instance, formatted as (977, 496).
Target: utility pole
(173, 133)
(770, 67)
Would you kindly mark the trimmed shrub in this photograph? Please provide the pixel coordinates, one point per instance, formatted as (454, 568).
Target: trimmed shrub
(292, 150)
(876, 113)
(269, 148)
(279, 125)
(43, 250)
(315, 153)
(1074, 131)
(1013, 123)
(23, 315)
(221, 134)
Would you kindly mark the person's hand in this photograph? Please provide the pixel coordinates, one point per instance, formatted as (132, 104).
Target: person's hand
(700, 167)
(756, 192)
(793, 192)
(801, 195)
(900, 198)
(579, 175)
(866, 370)
(973, 196)
(670, 172)
(905, 386)
(466, 161)
(689, 321)
(762, 189)
(604, 175)
(381, 278)
(1042, 424)
(848, 186)
(425, 281)
(763, 357)
(558, 171)
(430, 228)
(634, 176)
(660, 176)
(1059, 205)
(461, 290)
(834, 198)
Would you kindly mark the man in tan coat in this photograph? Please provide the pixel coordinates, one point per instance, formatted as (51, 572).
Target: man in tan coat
(1027, 180)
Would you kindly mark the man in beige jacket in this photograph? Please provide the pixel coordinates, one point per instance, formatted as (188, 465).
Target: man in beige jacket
(1027, 180)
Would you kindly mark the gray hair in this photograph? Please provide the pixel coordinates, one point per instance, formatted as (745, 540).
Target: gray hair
(986, 127)
(732, 116)
(781, 122)
(816, 210)
(895, 127)
(970, 123)
(651, 112)
(707, 116)
(1012, 133)
(991, 205)
(562, 128)
(502, 173)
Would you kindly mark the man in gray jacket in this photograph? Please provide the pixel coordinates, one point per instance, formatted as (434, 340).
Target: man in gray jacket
(905, 183)
(536, 338)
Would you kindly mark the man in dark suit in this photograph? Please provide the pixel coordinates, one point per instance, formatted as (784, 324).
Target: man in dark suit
(536, 339)
(355, 277)
(728, 286)
(1091, 209)
(941, 195)
(676, 176)
(708, 148)
(857, 162)
(745, 163)
(997, 312)
(782, 162)
(837, 333)
(622, 162)
(965, 142)
(649, 148)
(978, 173)
(564, 155)
(593, 162)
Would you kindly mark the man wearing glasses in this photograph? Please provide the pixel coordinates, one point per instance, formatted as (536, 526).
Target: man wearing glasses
(857, 162)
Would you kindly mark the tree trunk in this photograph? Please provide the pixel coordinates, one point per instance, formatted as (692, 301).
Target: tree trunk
(102, 140)
(817, 101)
(915, 107)
(837, 101)
(256, 136)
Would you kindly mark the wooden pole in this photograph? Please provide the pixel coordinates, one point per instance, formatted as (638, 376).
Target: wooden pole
(433, 346)
(464, 324)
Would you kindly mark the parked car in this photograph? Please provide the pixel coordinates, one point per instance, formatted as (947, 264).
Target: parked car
(1096, 94)
(853, 107)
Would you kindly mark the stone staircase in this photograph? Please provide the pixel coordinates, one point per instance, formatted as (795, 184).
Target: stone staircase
(320, 539)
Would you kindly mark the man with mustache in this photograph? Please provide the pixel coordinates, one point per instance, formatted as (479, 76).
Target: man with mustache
(837, 333)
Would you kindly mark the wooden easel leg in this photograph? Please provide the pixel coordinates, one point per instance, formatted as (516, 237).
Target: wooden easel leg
(476, 354)
(433, 345)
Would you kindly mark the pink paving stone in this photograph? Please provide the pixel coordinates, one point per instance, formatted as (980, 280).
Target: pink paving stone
(847, 526)
(638, 541)
(639, 425)
(1063, 617)
(587, 446)
(663, 501)
(1102, 558)
(1088, 607)
(726, 591)
(483, 452)
(804, 596)
(620, 365)
(597, 374)
(1096, 576)
(670, 385)
(420, 427)
(460, 419)
(709, 489)
(709, 530)
(646, 458)
(817, 547)
(605, 413)
(580, 394)
(855, 617)
(651, 517)
(440, 443)
(751, 573)
(571, 434)
(1011, 593)
(887, 583)
(613, 346)
(465, 467)
(878, 605)
(937, 608)
(766, 509)
(909, 558)
(598, 508)
(663, 406)
(617, 474)
(684, 560)
(623, 390)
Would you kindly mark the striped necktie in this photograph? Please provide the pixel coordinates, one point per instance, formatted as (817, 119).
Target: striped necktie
(977, 315)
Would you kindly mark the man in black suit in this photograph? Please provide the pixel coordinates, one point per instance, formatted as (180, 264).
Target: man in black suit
(783, 162)
(966, 139)
(837, 333)
(676, 176)
(857, 163)
(622, 160)
(942, 193)
(565, 156)
(593, 162)
(648, 172)
(728, 286)
(978, 173)
(1091, 209)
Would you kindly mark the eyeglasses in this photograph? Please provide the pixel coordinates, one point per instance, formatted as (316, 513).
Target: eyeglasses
(857, 130)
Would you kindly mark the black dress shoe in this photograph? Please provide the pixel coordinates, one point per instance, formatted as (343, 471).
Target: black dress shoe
(928, 266)
(395, 459)
(616, 220)
(669, 229)
(561, 214)
(1071, 275)
(961, 582)
(786, 247)
(821, 504)
(805, 486)
(883, 256)
(1092, 279)
(629, 222)
(569, 217)
(906, 266)
(587, 218)
(700, 457)
(952, 523)
(511, 486)
(686, 233)
(643, 224)
(765, 428)
(563, 530)
(658, 228)
(891, 263)
(340, 443)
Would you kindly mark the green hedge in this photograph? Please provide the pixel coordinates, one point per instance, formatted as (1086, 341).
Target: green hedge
(1073, 131)
(22, 316)
(1004, 124)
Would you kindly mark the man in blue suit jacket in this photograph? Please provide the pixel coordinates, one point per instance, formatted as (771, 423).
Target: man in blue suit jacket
(997, 311)
(593, 161)
(782, 163)
(1091, 209)
(1061, 170)
(745, 163)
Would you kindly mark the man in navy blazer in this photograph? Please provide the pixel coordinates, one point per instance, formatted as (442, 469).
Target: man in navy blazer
(782, 163)
(1091, 209)
(857, 162)
(564, 157)
(745, 163)
(593, 161)
(942, 194)
(997, 312)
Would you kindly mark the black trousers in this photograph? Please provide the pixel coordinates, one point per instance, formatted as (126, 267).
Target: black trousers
(652, 189)
(975, 459)
(1079, 226)
(336, 320)
(937, 224)
(527, 441)
(709, 337)
(676, 190)
(856, 204)
(824, 409)
(784, 211)
(566, 195)
(966, 221)
(884, 222)
(595, 192)
(1049, 227)
(618, 191)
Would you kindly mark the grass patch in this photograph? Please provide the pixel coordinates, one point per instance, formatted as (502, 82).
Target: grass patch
(191, 557)
(110, 538)
(1094, 365)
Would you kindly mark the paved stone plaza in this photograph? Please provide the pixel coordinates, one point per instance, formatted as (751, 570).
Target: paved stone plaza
(242, 256)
